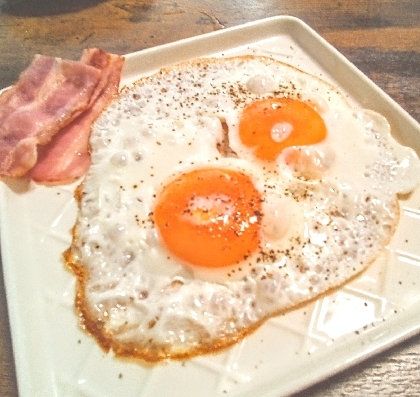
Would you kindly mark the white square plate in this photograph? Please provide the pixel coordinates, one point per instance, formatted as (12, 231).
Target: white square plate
(378, 309)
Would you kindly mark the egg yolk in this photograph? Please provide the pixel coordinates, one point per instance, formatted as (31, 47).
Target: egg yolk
(210, 217)
(271, 125)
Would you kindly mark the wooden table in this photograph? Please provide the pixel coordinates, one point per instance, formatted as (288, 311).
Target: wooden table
(381, 37)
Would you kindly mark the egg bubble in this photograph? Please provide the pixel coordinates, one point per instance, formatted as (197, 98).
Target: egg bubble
(310, 163)
(318, 103)
(279, 212)
(116, 231)
(260, 84)
(281, 131)
(119, 159)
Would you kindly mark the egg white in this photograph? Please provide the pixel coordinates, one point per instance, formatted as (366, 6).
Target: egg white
(323, 222)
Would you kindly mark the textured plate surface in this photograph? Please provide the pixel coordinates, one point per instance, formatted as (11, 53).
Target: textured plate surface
(380, 308)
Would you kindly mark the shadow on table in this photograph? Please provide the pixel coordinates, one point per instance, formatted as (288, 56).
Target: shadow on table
(38, 8)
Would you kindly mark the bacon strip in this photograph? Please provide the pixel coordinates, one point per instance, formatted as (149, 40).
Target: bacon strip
(66, 157)
(49, 94)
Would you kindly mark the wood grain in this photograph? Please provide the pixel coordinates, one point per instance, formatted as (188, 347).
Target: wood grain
(381, 37)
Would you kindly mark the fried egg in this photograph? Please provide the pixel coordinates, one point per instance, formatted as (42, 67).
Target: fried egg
(223, 192)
